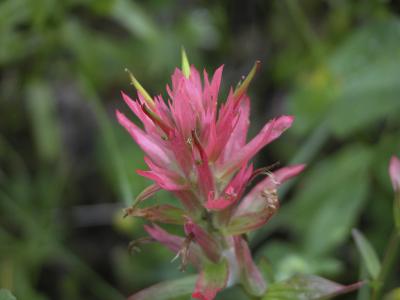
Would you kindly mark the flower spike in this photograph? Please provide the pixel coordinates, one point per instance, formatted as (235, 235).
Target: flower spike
(199, 151)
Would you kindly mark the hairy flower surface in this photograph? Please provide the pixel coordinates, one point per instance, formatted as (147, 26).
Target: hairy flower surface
(197, 149)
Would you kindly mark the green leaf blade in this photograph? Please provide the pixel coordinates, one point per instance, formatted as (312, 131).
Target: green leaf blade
(307, 287)
(167, 290)
(368, 254)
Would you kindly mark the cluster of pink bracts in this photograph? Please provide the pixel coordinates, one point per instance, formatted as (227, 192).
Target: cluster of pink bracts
(197, 150)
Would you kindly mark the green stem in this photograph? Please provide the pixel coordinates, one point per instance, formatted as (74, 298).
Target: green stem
(389, 258)
(364, 291)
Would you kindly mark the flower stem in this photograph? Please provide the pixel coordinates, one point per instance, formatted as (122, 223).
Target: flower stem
(389, 258)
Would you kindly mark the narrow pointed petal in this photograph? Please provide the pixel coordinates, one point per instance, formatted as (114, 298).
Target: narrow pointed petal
(242, 88)
(205, 176)
(163, 181)
(271, 131)
(233, 192)
(250, 276)
(211, 90)
(148, 145)
(256, 198)
(136, 108)
(171, 241)
(157, 120)
(185, 63)
(165, 178)
(218, 204)
(163, 213)
(394, 172)
(205, 240)
(141, 90)
(237, 139)
(147, 193)
(174, 243)
(246, 222)
(228, 117)
(212, 279)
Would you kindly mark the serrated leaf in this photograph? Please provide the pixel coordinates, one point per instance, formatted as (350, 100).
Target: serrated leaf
(167, 290)
(307, 287)
(6, 295)
(368, 254)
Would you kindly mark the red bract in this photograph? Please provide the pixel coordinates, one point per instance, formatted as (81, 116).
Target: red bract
(198, 150)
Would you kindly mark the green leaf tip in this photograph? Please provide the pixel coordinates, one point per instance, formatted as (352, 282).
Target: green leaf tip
(368, 254)
(242, 86)
(185, 63)
(141, 89)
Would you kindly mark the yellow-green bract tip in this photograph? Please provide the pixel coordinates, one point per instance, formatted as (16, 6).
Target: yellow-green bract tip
(242, 88)
(185, 63)
(141, 89)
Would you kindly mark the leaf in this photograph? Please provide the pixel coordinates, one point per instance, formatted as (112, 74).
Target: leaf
(393, 295)
(134, 19)
(330, 200)
(6, 295)
(358, 86)
(368, 254)
(307, 287)
(43, 117)
(167, 289)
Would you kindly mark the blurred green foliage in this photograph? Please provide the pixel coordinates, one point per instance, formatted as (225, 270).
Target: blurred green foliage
(67, 169)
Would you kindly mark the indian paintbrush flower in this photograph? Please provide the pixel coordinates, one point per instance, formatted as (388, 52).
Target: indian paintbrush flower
(197, 149)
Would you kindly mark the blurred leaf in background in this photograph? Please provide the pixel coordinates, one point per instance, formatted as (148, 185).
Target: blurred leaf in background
(67, 169)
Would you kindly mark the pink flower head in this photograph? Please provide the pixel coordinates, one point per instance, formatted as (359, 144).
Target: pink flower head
(198, 150)
(394, 172)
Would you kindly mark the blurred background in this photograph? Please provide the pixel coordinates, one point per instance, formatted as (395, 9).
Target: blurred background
(67, 168)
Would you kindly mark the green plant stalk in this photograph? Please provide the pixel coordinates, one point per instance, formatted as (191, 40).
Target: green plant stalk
(364, 291)
(390, 256)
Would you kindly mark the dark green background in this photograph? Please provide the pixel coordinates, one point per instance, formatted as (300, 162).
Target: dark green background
(67, 168)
